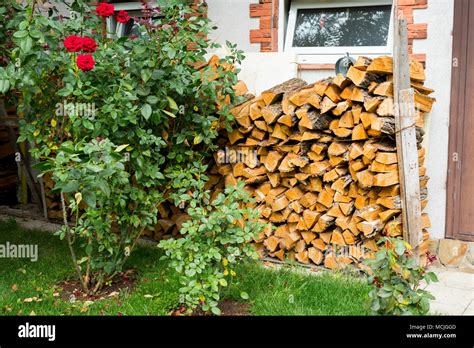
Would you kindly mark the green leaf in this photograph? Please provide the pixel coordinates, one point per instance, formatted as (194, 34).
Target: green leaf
(87, 124)
(146, 111)
(4, 86)
(432, 276)
(146, 74)
(400, 247)
(84, 259)
(36, 34)
(121, 147)
(89, 197)
(20, 34)
(172, 103)
(152, 99)
(244, 295)
(26, 44)
(104, 187)
(190, 272)
(71, 186)
(171, 53)
(170, 114)
(157, 74)
(216, 311)
(140, 49)
(197, 139)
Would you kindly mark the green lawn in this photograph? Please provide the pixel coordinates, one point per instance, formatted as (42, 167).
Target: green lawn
(27, 287)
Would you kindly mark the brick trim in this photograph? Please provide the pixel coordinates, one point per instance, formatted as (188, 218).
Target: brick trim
(416, 31)
(267, 33)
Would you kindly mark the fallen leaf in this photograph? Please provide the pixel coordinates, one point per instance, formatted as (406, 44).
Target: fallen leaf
(28, 300)
(32, 313)
(14, 287)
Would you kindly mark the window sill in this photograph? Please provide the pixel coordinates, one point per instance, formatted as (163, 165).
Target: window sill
(328, 66)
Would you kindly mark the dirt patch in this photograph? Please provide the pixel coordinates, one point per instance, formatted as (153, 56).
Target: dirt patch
(228, 308)
(234, 308)
(71, 290)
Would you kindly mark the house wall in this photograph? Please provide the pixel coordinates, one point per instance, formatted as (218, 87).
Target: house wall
(233, 22)
(438, 48)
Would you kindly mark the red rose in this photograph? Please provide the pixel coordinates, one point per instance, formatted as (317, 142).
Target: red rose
(73, 43)
(104, 9)
(122, 16)
(88, 44)
(85, 62)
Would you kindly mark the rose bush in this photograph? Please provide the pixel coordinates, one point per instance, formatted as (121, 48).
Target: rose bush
(397, 278)
(151, 106)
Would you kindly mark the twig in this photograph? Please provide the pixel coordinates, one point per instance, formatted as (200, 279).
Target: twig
(71, 249)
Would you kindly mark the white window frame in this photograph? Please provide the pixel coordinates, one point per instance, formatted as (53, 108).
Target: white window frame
(309, 54)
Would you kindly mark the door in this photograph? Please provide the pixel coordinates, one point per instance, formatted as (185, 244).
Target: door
(460, 208)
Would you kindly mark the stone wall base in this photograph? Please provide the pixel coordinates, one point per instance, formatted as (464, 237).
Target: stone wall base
(453, 253)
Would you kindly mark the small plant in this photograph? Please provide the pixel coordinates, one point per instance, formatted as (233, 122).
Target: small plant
(396, 280)
(214, 240)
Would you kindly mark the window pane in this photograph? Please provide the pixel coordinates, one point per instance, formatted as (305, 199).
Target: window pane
(132, 27)
(335, 27)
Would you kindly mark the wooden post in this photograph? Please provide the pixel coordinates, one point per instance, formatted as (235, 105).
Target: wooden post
(407, 151)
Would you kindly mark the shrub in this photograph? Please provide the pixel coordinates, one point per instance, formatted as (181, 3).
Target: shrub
(109, 213)
(396, 280)
(215, 239)
(87, 96)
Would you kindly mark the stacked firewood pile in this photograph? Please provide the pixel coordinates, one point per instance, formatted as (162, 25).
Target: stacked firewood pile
(326, 177)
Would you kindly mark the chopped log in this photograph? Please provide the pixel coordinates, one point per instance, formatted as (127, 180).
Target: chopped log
(359, 133)
(346, 120)
(386, 179)
(272, 161)
(337, 238)
(327, 105)
(386, 157)
(314, 120)
(302, 95)
(362, 63)
(384, 65)
(361, 78)
(384, 89)
(365, 178)
(272, 112)
(333, 92)
(274, 94)
(386, 107)
(315, 255)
